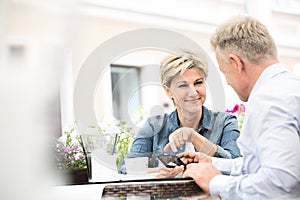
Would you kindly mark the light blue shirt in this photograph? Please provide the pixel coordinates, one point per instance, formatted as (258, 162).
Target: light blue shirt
(270, 143)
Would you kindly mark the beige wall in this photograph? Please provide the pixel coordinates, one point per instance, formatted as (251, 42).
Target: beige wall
(76, 29)
(82, 27)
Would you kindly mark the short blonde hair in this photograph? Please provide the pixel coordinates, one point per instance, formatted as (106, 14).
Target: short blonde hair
(246, 37)
(178, 64)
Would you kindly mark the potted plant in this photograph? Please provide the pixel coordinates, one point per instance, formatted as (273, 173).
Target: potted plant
(70, 158)
(69, 153)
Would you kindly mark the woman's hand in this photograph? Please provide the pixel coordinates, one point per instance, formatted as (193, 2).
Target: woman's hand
(186, 134)
(165, 172)
(179, 137)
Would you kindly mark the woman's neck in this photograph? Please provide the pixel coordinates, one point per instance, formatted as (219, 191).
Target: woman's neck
(191, 120)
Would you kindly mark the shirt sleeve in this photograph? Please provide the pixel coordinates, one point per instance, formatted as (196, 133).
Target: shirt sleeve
(216, 185)
(278, 173)
(142, 143)
(228, 166)
(227, 148)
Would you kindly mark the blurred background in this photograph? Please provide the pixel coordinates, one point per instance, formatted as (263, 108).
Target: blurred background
(44, 43)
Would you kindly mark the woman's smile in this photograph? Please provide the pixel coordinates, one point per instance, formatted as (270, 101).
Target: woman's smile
(193, 101)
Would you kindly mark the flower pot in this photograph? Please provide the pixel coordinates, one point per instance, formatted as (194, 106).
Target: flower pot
(74, 176)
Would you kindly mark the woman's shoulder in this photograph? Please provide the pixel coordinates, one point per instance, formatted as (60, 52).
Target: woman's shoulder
(218, 114)
(159, 119)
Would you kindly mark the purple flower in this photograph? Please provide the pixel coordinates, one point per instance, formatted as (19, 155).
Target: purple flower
(71, 158)
(66, 149)
(75, 146)
(69, 151)
(235, 108)
(242, 108)
(239, 108)
(81, 156)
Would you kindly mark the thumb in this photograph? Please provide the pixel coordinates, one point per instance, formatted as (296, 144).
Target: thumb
(186, 174)
(167, 147)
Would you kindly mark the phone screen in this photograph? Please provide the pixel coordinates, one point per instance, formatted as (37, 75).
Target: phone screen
(170, 161)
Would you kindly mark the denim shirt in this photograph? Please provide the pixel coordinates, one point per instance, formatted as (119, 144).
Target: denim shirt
(221, 128)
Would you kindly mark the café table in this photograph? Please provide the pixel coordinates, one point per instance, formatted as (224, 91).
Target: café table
(140, 182)
(163, 189)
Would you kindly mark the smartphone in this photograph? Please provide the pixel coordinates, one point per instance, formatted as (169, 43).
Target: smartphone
(170, 161)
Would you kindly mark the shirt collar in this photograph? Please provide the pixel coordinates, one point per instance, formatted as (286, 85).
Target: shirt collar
(205, 122)
(206, 118)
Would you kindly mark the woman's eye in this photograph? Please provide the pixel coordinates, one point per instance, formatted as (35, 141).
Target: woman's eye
(199, 83)
(182, 85)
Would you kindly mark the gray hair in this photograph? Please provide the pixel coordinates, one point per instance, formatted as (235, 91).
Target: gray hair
(178, 64)
(246, 37)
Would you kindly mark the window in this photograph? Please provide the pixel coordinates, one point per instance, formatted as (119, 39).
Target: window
(125, 80)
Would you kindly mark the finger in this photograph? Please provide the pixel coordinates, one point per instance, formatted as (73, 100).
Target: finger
(183, 155)
(167, 172)
(173, 147)
(180, 135)
(167, 147)
(154, 170)
(177, 141)
(186, 174)
(185, 136)
(175, 171)
(178, 169)
(173, 144)
(188, 161)
(176, 137)
(186, 155)
(170, 145)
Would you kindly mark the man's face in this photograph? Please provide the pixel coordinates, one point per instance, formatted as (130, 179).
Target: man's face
(225, 67)
(232, 74)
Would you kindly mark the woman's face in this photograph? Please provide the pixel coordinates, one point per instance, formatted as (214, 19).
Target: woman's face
(188, 90)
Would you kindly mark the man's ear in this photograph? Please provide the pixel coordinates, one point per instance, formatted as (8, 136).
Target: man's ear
(168, 91)
(238, 62)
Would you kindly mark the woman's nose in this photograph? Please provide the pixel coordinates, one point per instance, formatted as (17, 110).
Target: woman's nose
(193, 90)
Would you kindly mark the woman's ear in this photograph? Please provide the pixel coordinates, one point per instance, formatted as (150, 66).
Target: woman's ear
(237, 61)
(168, 91)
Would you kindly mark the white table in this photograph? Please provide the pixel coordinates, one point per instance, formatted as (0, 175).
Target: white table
(78, 192)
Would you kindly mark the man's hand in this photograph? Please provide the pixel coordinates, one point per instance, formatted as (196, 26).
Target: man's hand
(194, 157)
(199, 167)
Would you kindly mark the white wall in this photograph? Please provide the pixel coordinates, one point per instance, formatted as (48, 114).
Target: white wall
(78, 28)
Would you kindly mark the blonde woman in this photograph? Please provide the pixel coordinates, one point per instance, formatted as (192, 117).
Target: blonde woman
(213, 133)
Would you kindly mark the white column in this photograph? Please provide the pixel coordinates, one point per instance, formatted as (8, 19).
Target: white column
(66, 92)
(3, 10)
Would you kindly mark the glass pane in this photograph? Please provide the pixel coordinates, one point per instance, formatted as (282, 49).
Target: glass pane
(125, 80)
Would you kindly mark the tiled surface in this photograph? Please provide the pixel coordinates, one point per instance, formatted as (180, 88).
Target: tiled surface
(154, 190)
